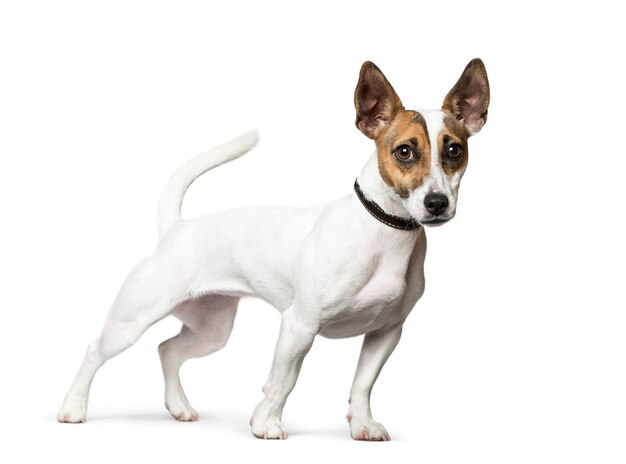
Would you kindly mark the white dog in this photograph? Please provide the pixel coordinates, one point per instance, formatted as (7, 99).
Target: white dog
(343, 268)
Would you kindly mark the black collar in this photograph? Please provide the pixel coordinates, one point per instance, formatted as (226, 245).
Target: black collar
(389, 219)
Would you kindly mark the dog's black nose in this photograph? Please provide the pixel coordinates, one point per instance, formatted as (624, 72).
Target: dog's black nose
(436, 203)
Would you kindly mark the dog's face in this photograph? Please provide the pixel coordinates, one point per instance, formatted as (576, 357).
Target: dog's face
(422, 155)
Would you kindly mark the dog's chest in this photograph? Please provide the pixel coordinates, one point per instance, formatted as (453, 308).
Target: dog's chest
(371, 295)
(384, 287)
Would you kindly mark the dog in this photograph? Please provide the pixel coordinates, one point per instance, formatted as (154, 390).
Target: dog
(349, 267)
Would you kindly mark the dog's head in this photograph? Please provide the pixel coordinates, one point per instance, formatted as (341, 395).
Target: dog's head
(422, 155)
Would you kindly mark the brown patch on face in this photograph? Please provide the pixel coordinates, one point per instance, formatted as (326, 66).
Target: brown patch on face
(406, 128)
(454, 131)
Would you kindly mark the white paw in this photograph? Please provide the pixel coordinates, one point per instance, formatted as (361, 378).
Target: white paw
(271, 429)
(181, 410)
(73, 411)
(367, 430)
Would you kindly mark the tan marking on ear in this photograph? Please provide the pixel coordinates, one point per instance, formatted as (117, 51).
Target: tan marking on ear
(456, 131)
(406, 127)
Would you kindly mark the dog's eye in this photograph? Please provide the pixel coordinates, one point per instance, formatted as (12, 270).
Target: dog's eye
(455, 151)
(405, 153)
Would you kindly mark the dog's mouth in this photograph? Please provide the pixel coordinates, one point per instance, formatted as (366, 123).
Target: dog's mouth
(434, 222)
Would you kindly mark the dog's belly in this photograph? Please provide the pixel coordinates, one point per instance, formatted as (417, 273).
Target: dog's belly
(352, 324)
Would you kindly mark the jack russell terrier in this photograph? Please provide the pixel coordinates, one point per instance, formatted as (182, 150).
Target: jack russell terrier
(342, 268)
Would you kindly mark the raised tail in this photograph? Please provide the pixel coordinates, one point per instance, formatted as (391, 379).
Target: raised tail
(168, 212)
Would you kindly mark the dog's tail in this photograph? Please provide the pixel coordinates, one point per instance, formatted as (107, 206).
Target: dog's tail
(171, 200)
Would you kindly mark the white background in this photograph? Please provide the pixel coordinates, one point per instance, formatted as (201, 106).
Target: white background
(514, 354)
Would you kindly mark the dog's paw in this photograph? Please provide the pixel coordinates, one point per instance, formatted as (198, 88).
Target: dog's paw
(271, 429)
(73, 411)
(181, 410)
(367, 430)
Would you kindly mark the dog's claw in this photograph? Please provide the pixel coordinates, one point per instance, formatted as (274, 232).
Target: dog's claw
(272, 430)
(67, 419)
(368, 431)
(179, 408)
(73, 411)
(184, 414)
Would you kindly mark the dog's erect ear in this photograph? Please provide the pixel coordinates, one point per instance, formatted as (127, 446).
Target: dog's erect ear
(375, 100)
(469, 98)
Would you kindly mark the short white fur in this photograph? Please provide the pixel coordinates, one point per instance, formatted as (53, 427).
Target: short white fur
(330, 269)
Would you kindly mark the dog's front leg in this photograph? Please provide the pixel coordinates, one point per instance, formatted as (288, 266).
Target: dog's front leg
(377, 347)
(294, 341)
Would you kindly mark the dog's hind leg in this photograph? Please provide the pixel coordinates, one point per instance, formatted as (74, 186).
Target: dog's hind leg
(148, 294)
(207, 323)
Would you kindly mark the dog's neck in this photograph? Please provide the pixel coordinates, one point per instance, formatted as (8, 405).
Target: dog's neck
(375, 189)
